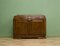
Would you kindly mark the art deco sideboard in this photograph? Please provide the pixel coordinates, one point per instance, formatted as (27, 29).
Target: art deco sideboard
(29, 26)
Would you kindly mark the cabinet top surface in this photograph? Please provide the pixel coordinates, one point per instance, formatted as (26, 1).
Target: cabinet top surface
(30, 16)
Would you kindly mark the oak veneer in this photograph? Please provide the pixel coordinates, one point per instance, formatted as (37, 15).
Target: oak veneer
(29, 26)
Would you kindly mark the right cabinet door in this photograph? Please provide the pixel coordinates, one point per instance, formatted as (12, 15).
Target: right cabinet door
(37, 27)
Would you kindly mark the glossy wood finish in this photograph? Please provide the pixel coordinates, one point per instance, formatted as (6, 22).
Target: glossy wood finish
(29, 26)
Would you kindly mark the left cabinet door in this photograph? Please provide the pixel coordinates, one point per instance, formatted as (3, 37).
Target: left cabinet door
(20, 29)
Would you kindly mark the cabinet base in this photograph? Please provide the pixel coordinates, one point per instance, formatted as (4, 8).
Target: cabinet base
(29, 37)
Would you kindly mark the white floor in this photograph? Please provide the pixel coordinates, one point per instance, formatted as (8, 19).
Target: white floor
(30, 42)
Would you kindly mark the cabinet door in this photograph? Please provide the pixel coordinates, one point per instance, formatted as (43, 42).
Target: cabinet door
(20, 28)
(37, 27)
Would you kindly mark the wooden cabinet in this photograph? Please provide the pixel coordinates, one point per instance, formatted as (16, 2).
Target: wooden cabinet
(29, 26)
